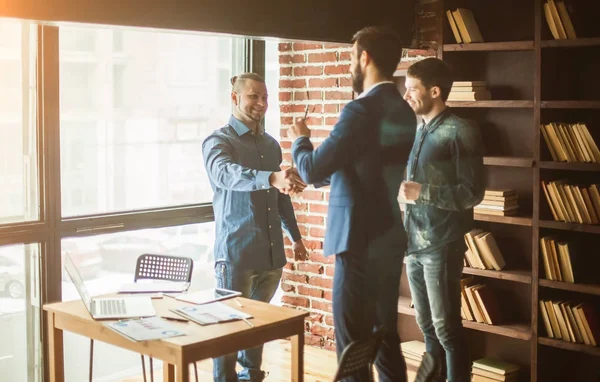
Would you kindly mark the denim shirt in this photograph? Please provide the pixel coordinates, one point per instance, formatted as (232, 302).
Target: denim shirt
(447, 160)
(249, 213)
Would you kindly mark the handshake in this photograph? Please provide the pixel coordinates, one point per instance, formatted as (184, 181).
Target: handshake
(287, 181)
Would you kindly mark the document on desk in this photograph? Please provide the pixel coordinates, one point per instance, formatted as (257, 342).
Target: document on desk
(211, 313)
(145, 329)
(206, 296)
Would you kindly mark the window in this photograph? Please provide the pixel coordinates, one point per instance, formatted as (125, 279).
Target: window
(107, 261)
(135, 109)
(273, 117)
(18, 159)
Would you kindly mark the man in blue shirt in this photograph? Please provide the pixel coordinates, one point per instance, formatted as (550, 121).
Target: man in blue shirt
(251, 204)
(445, 180)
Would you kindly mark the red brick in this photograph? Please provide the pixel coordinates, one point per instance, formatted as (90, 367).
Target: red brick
(328, 295)
(345, 81)
(296, 301)
(286, 121)
(331, 108)
(285, 72)
(330, 121)
(313, 340)
(337, 69)
(285, 96)
(300, 206)
(317, 220)
(311, 96)
(314, 318)
(330, 271)
(323, 82)
(318, 208)
(313, 244)
(322, 331)
(308, 71)
(287, 287)
(312, 195)
(294, 277)
(314, 121)
(284, 109)
(329, 320)
(285, 144)
(290, 255)
(312, 268)
(337, 95)
(316, 232)
(320, 133)
(285, 46)
(337, 46)
(322, 57)
(285, 59)
(324, 306)
(304, 46)
(320, 282)
(345, 56)
(296, 83)
(312, 292)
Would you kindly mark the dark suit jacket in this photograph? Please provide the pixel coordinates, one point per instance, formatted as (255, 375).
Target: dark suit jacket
(363, 159)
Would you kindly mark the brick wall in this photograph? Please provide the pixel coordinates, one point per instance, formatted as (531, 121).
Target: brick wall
(318, 75)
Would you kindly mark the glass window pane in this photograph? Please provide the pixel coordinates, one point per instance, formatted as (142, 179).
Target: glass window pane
(20, 351)
(135, 108)
(273, 116)
(106, 262)
(19, 195)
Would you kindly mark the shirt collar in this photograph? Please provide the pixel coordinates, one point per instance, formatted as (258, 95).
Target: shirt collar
(369, 90)
(435, 121)
(241, 128)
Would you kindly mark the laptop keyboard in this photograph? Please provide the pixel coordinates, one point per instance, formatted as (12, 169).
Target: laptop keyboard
(112, 307)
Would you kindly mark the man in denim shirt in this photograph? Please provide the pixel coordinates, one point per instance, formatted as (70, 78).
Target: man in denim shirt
(445, 182)
(251, 204)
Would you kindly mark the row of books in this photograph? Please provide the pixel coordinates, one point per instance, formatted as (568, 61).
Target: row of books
(483, 251)
(493, 370)
(558, 260)
(570, 143)
(479, 303)
(469, 91)
(499, 202)
(570, 321)
(558, 20)
(463, 25)
(573, 204)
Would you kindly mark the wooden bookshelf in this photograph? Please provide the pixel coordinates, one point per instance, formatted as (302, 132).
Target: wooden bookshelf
(517, 276)
(581, 288)
(508, 161)
(581, 348)
(532, 81)
(518, 331)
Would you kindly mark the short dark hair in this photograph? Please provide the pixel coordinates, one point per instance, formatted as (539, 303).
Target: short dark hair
(432, 72)
(238, 81)
(383, 45)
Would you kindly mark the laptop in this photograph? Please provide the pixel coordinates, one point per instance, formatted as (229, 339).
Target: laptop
(105, 308)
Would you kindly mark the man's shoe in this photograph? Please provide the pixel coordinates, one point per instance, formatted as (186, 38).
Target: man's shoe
(428, 369)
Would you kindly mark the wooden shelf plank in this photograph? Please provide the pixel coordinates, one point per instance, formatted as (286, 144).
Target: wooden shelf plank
(593, 41)
(581, 348)
(570, 104)
(518, 276)
(570, 166)
(489, 46)
(518, 331)
(570, 226)
(515, 220)
(508, 161)
(582, 288)
(491, 104)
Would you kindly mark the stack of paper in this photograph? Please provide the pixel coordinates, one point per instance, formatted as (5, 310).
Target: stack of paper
(145, 329)
(210, 313)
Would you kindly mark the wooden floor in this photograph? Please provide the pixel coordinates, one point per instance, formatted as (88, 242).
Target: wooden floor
(319, 365)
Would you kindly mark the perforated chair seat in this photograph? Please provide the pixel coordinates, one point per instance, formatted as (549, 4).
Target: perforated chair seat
(357, 356)
(164, 267)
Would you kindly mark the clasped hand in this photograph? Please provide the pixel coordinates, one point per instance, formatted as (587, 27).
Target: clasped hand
(287, 181)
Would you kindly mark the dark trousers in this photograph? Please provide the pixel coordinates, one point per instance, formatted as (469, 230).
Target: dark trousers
(365, 296)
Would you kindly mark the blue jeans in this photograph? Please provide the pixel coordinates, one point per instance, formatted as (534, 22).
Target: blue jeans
(256, 285)
(434, 280)
(365, 296)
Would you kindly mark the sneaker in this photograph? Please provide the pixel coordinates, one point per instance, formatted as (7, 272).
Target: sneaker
(256, 377)
(428, 370)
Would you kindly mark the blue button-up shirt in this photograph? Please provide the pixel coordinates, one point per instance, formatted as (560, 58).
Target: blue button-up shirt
(249, 213)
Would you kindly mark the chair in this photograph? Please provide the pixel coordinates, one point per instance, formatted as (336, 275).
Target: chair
(157, 267)
(358, 355)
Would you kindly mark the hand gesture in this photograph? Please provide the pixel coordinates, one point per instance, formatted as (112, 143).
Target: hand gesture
(410, 190)
(287, 181)
(300, 252)
(299, 129)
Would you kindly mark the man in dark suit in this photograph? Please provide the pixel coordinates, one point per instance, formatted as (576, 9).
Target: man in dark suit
(363, 159)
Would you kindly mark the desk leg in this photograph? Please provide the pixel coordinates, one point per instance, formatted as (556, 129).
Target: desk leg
(55, 347)
(183, 372)
(168, 372)
(298, 357)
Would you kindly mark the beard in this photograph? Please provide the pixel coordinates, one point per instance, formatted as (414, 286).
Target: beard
(358, 80)
(425, 107)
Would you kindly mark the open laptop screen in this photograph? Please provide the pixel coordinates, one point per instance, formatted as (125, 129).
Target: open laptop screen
(78, 282)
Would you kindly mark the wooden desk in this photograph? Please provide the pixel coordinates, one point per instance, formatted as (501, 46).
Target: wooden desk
(202, 342)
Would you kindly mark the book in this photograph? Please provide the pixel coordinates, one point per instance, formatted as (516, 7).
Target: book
(145, 329)
(496, 366)
(211, 313)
